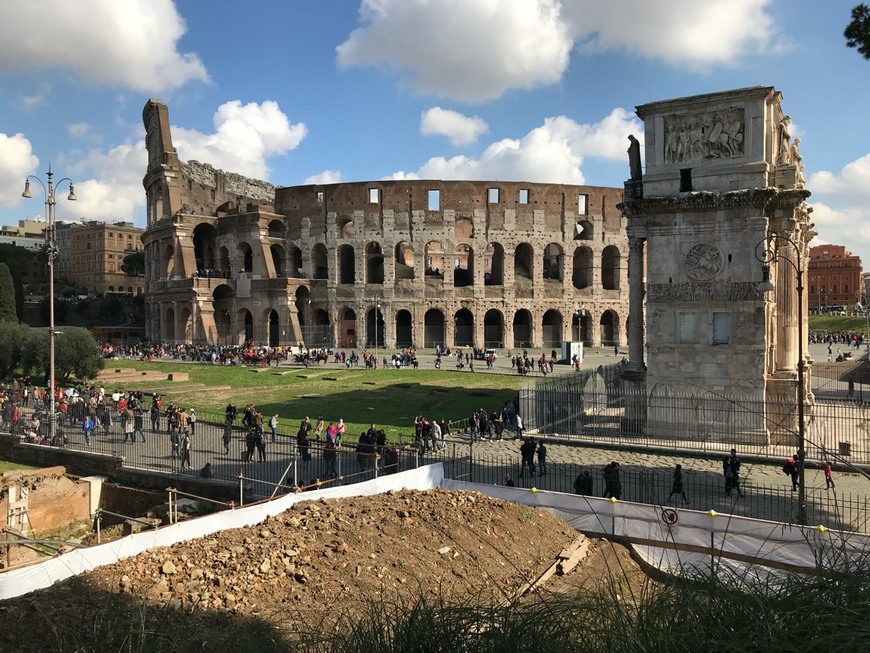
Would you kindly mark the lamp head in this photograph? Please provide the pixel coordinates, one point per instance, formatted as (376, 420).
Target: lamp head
(72, 195)
(766, 285)
(26, 192)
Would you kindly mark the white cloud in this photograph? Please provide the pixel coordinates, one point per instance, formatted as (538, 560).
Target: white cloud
(108, 184)
(459, 128)
(105, 42)
(31, 102)
(476, 50)
(244, 137)
(16, 162)
(471, 50)
(553, 152)
(325, 177)
(679, 32)
(850, 185)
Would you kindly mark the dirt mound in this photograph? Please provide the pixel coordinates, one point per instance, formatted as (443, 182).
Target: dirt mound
(319, 556)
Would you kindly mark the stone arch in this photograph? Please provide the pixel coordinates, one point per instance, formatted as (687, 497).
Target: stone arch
(347, 319)
(463, 266)
(223, 263)
(346, 228)
(375, 327)
(463, 334)
(277, 229)
(205, 248)
(374, 264)
(586, 230)
(346, 265)
(404, 260)
(581, 327)
(609, 327)
(463, 228)
(493, 265)
(169, 261)
(278, 260)
(610, 266)
(583, 267)
(294, 262)
(246, 257)
(320, 261)
(522, 329)
(186, 323)
(433, 328)
(551, 329)
(554, 262)
(404, 329)
(434, 258)
(524, 265)
(274, 328)
(222, 298)
(246, 318)
(169, 324)
(493, 329)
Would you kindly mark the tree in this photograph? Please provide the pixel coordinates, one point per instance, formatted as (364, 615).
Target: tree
(134, 264)
(76, 354)
(857, 32)
(7, 296)
(12, 335)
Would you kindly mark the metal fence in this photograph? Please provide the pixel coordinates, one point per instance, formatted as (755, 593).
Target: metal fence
(597, 406)
(705, 490)
(283, 467)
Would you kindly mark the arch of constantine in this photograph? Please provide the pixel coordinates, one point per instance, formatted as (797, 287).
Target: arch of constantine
(378, 264)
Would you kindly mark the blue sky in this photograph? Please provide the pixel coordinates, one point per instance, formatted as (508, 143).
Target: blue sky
(296, 91)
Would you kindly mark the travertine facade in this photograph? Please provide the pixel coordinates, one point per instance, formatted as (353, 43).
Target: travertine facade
(723, 181)
(382, 263)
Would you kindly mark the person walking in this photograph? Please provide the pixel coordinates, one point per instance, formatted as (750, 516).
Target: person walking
(527, 455)
(185, 449)
(825, 466)
(734, 463)
(677, 486)
(542, 459)
(273, 427)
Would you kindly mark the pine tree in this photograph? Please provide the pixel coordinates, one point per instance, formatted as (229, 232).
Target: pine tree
(7, 296)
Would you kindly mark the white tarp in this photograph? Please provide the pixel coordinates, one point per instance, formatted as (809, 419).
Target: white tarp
(739, 542)
(748, 542)
(45, 574)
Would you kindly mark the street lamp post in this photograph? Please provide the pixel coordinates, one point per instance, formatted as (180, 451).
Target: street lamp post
(767, 251)
(49, 187)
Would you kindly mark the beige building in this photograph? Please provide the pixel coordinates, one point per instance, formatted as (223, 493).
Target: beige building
(96, 253)
(380, 263)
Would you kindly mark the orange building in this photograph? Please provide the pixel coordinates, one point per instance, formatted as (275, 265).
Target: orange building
(835, 278)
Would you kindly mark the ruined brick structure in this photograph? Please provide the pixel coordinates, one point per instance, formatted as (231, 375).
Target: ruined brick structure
(382, 263)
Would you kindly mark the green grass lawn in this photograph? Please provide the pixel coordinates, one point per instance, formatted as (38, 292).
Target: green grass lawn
(10, 467)
(834, 323)
(389, 398)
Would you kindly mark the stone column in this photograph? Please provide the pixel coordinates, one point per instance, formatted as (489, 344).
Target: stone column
(635, 302)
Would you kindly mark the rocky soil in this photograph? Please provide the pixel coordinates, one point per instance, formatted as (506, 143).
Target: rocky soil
(318, 560)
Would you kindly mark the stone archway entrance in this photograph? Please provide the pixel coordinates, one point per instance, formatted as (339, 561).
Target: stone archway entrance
(348, 328)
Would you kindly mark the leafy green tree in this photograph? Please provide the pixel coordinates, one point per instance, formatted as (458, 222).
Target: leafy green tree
(77, 354)
(12, 335)
(134, 264)
(34, 352)
(857, 32)
(7, 296)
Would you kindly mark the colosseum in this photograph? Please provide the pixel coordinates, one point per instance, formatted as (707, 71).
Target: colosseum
(389, 264)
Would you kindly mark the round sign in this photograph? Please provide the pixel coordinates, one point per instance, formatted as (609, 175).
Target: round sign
(669, 516)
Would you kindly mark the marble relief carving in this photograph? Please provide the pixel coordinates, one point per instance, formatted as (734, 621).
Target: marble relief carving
(703, 262)
(703, 292)
(710, 135)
